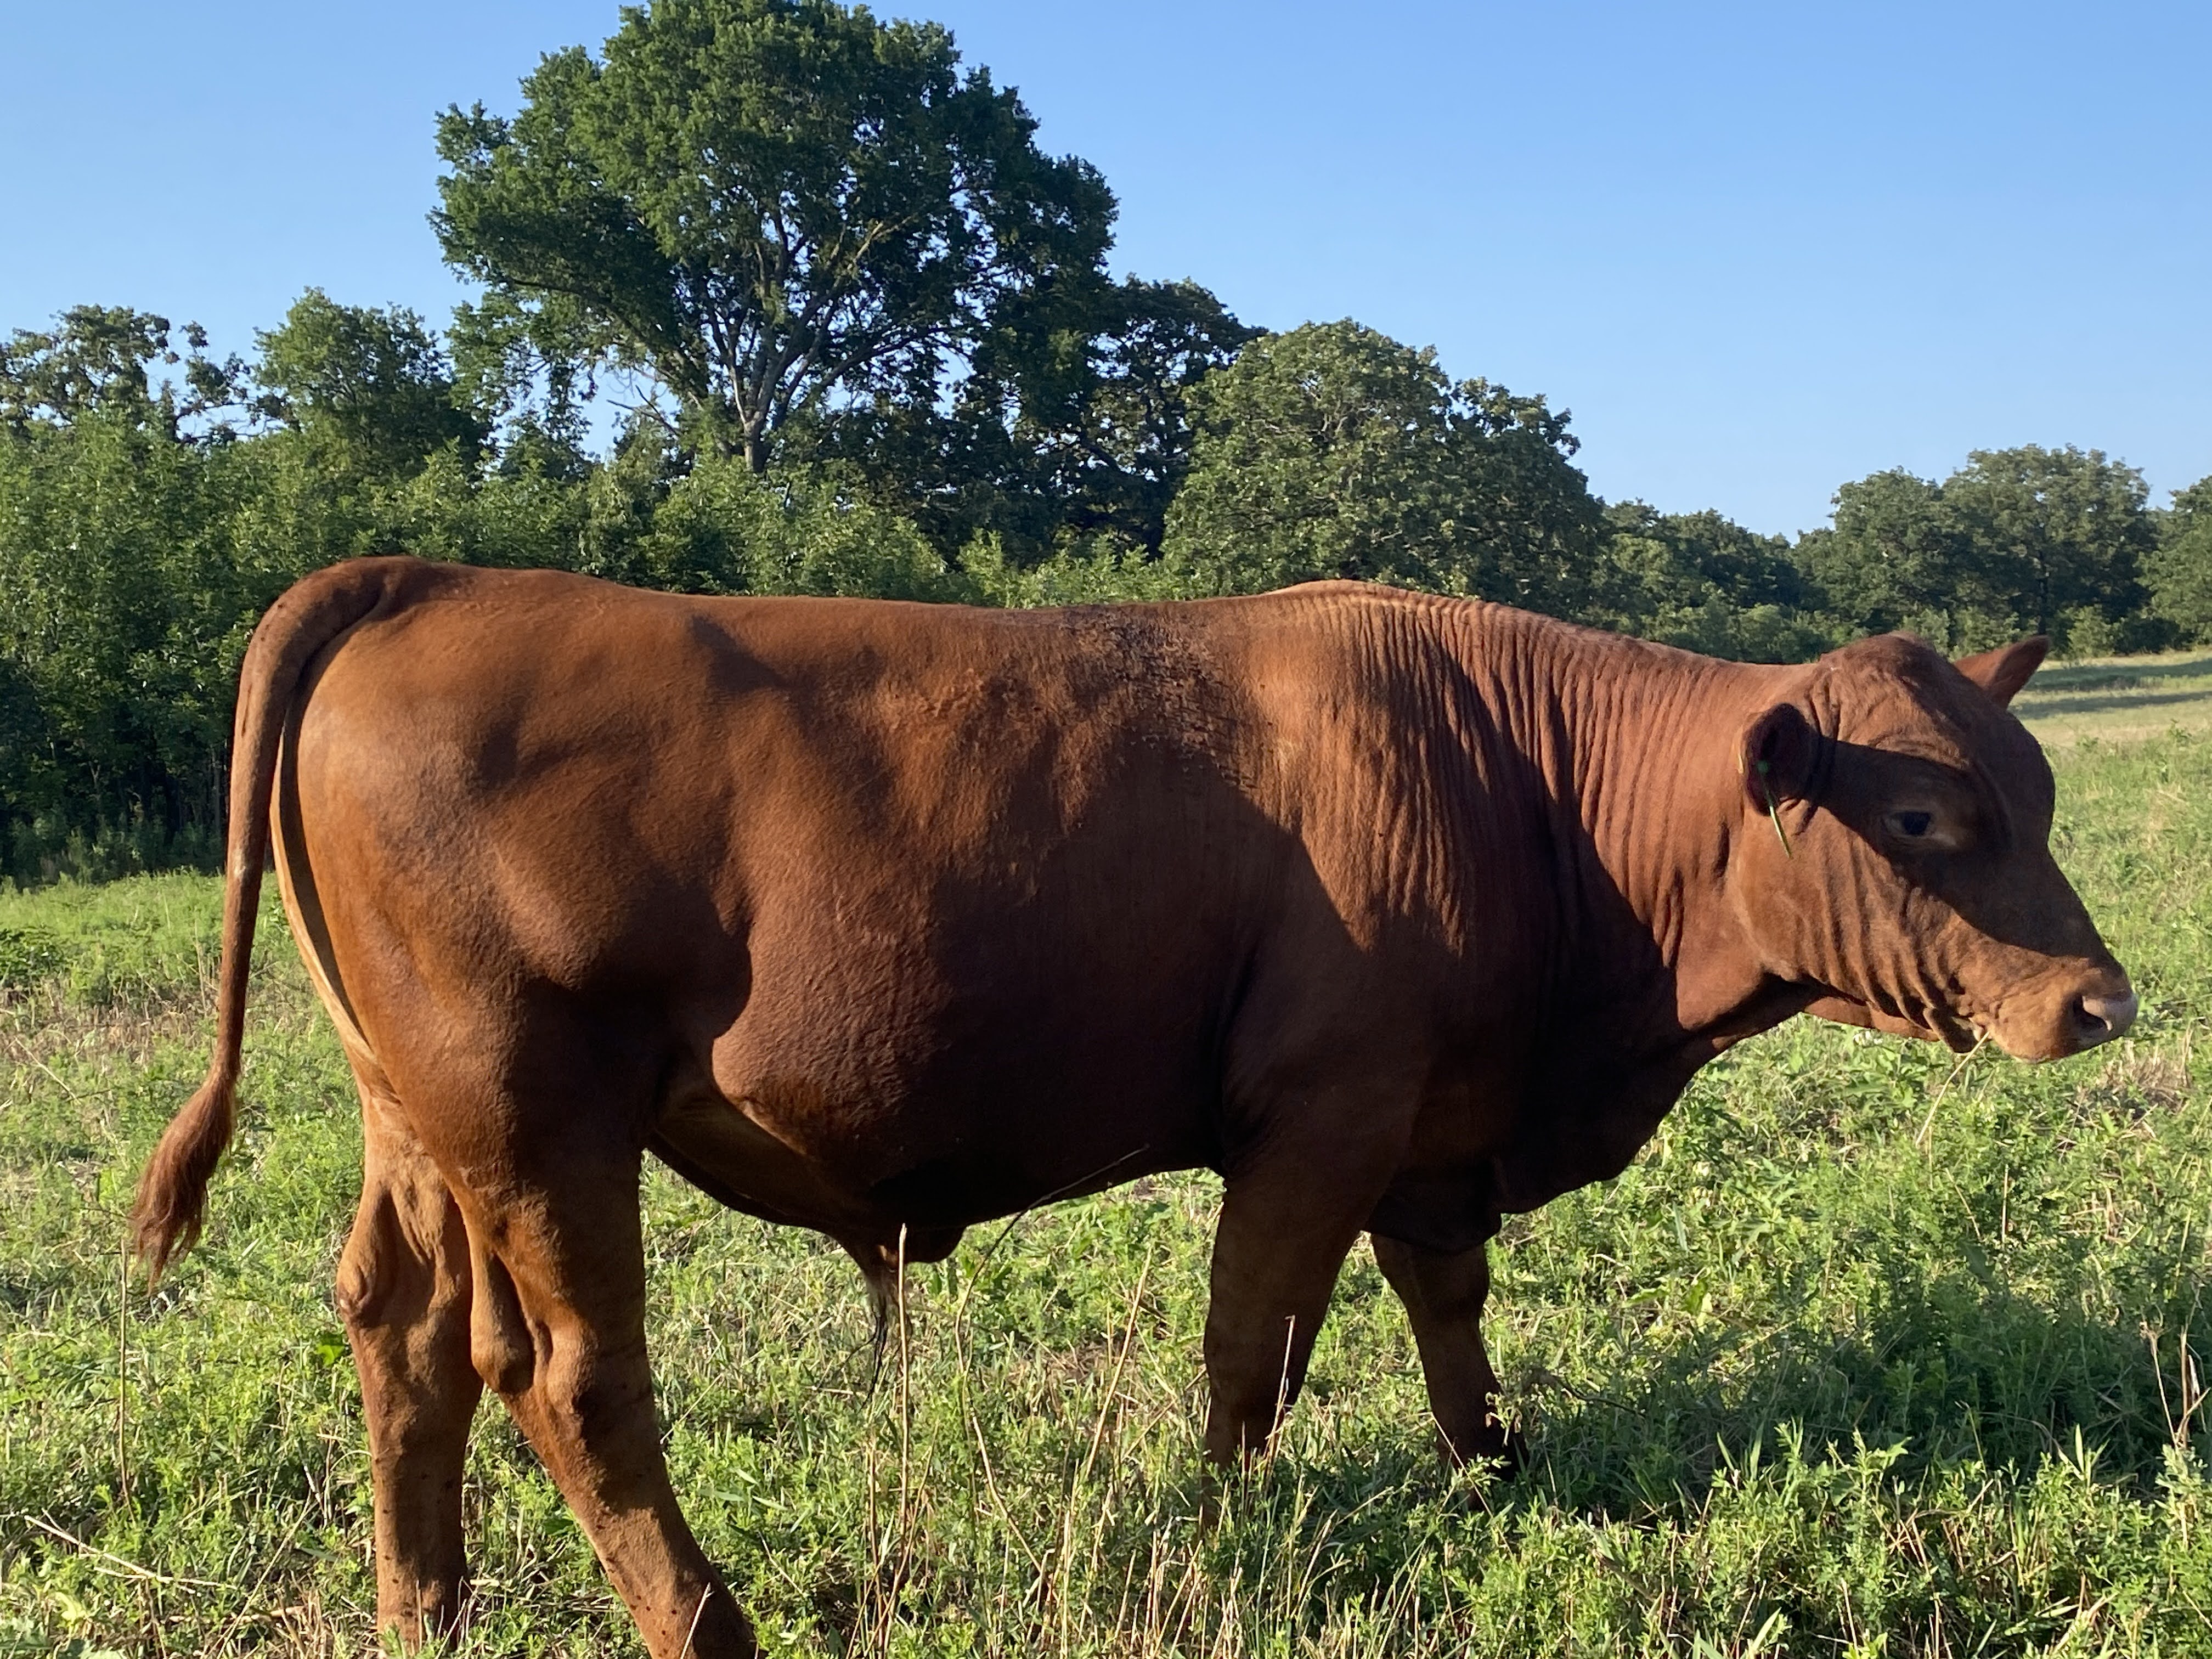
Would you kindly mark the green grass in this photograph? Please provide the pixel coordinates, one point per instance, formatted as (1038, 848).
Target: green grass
(147, 941)
(2119, 699)
(1871, 1352)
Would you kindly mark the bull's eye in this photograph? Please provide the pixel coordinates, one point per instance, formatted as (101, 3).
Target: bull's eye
(1911, 825)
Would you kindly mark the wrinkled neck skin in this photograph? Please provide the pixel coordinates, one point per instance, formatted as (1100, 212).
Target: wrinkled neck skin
(1649, 971)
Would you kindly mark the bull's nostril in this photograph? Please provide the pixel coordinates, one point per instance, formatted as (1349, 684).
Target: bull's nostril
(2104, 1017)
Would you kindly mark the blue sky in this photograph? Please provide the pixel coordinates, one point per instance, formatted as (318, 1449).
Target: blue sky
(1757, 250)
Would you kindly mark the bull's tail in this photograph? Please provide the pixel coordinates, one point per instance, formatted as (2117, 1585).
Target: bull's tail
(310, 616)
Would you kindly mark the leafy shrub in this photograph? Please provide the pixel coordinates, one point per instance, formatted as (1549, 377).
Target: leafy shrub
(27, 956)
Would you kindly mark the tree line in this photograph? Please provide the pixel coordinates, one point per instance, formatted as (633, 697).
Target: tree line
(860, 336)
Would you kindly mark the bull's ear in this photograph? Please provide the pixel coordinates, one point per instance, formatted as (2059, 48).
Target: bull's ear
(1777, 756)
(2002, 671)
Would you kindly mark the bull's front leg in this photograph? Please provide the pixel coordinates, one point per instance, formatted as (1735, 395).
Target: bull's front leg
(1279, 1246)
(1443, 1297)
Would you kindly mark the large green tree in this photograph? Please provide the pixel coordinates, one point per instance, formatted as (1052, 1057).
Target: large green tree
(2065, 532)
(2178, 572)
(2023, 540)
(1072, 427)
(1334, 451)
(372, 388)
(1897, 558)
(763, 206)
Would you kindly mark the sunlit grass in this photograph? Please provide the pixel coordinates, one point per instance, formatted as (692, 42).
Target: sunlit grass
(2119, 699)
(1872, 1351)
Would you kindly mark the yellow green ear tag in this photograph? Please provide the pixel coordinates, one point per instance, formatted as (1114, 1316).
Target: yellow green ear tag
(1772, 812)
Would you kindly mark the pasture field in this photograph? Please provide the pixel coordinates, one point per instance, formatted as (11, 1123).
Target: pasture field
(2119, 699)
(1874, 1351)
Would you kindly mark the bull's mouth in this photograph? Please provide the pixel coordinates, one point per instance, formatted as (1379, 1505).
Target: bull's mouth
(1960, 1033)
(1960, 1030)
(2017, 1025)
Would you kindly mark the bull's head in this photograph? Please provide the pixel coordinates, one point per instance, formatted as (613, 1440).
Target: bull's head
(1916, 886)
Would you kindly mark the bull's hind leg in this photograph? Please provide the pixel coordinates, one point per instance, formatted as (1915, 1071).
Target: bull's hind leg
(403, 1292)
(560, 1332)
(1443, 1297)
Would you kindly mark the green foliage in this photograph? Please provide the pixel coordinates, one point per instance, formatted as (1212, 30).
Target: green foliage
(2179, 570)
(1111, 441)
(1098, 572)
(123, 623)
(1071, 426)
(1873, 1351)
(762, 205)
(135, 552)
(1093, 397)
(1699, 581)
(1332, 451)
(101, 360)
(371, 389)
(723, 529)
(2065, 531)
(1895, 560)
(28, 957)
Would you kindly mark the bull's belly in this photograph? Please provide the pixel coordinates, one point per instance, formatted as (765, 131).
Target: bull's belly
(949, 1073)
(878, 1111)
(921, 1173)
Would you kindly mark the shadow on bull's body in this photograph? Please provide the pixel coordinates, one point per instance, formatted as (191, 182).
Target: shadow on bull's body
(884, 920)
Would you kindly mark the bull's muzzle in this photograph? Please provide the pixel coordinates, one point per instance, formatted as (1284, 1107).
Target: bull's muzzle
(2054, 1020)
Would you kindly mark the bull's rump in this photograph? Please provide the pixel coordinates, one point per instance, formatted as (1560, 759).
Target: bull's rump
(957, 905)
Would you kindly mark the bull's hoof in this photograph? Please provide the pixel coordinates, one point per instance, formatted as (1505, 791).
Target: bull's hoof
(1501, 1452)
